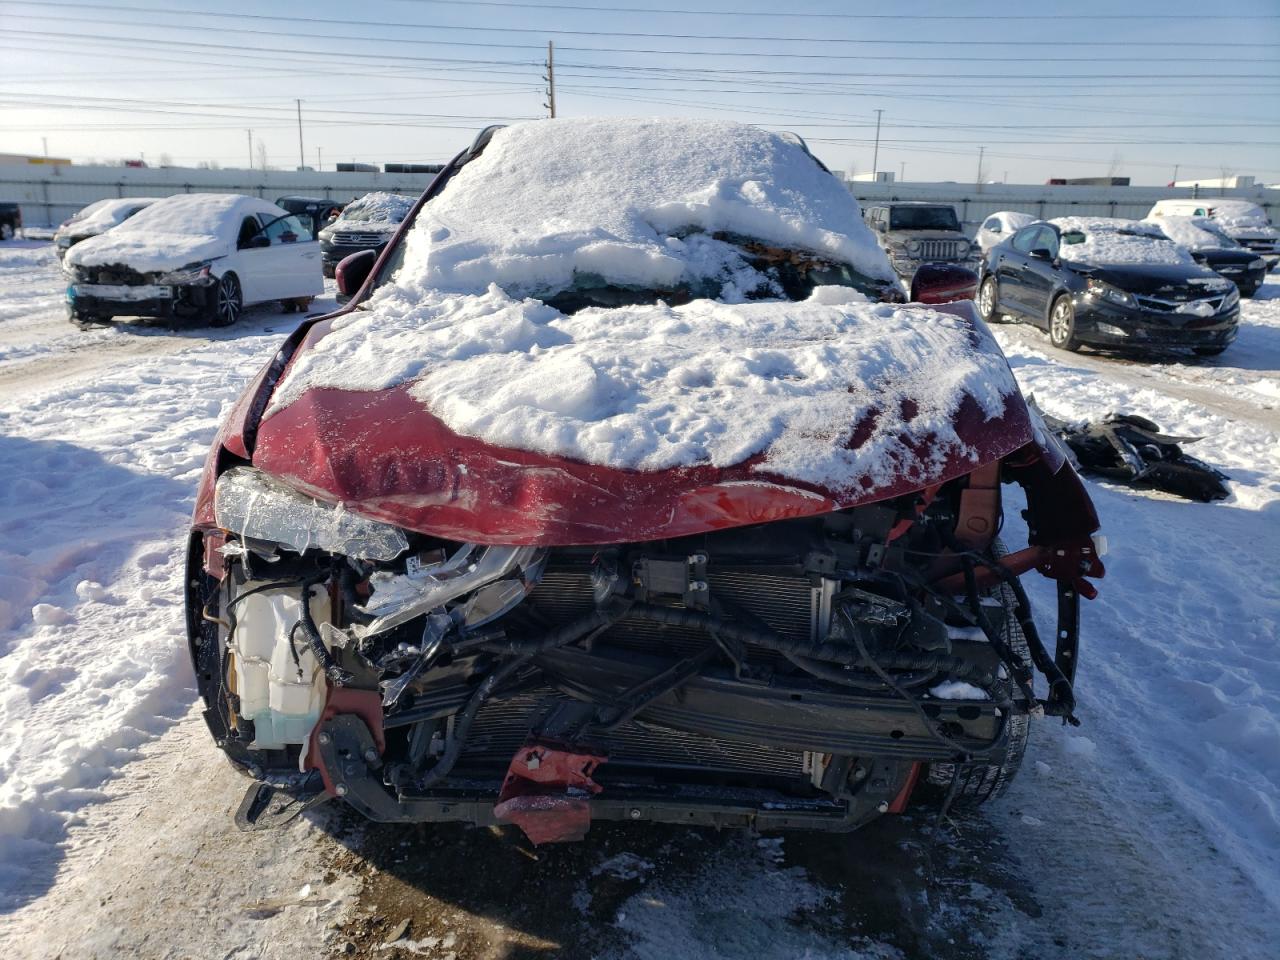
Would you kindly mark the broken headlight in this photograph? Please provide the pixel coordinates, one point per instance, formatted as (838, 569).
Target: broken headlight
(250, 503)
(191, 273)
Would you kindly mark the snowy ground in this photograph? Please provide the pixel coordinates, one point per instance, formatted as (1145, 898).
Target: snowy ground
(1153, 831)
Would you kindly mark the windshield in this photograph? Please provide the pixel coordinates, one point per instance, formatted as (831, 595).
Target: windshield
(747, 270)
(923, 218)
(378, 208)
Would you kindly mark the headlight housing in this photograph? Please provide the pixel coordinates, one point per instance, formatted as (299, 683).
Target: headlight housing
(1258, 264)
(913, 247)
(252, 504)
(191, 273)
(1230, 300)
(1098, 290)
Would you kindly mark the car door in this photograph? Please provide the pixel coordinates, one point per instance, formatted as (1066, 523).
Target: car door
(1040, 275)
(294, 258)
(251, 262)
(1010, 266)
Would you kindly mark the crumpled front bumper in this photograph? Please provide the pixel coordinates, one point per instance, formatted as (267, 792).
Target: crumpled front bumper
(1104, 324)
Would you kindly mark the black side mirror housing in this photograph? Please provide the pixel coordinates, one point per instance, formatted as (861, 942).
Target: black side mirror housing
(1041, 253)
(353, 271)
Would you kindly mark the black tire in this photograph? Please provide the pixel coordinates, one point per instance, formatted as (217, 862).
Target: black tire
(6, 231)
(989, 300)
(1208, 351)
(969, 785)
(85, 320)
(1062, 324)
(228, 302)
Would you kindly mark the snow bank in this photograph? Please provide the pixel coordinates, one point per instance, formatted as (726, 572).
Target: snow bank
(549, 199)
(652, 386)
(173, 233)
(105, 214)
(1116, 241)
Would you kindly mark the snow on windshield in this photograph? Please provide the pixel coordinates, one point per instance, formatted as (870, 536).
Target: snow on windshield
(377, 208)
(1194, 233)
(1239, 213)
(1110, 240)
(171, 233)
(549, 201)
(653, 386)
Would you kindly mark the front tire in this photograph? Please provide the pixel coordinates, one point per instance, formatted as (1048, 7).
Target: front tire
(1062, 324)
(989, 300)
(228, 301)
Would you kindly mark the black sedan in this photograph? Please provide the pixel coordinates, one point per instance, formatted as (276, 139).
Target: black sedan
(1209, 244)
(367, 223)
(1108, 283)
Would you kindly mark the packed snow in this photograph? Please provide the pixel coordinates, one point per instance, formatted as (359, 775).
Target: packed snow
(650, 387)
(549, 200)
(1110, 240)
(173, 233)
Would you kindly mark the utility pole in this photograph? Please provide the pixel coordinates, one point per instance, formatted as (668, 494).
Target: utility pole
(875, 156)
(319, 158)
(250, 133)
(551, 79)
(301, 158)
(44, 141)
(978, 178)
(1175, 172)
(902, 170)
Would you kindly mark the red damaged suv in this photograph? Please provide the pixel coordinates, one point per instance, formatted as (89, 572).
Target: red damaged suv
(627, 487)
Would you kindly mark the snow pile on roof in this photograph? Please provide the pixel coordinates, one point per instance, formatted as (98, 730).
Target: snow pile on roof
(1190, 232)
(549, 199)
(1112, 240)
(105, 214)
(172, 233)
(650, 387)
(1239, 213)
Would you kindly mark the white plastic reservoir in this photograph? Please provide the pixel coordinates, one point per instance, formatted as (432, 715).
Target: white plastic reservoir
(278, 679)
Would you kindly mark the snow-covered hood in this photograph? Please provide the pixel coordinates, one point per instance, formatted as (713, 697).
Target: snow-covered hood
(900, 238)
(1113, 242)
(173, 233)
(494, 419)
(1173, 280)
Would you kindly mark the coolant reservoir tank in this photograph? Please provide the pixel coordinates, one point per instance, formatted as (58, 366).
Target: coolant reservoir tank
(279, 681)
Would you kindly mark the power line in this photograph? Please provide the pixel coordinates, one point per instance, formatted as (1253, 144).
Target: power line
(538, 31)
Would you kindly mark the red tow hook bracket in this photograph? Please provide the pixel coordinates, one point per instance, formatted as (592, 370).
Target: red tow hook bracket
(547, 791)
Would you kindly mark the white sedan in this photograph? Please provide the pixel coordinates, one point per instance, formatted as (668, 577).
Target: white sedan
(1000, 226)
(202, 257)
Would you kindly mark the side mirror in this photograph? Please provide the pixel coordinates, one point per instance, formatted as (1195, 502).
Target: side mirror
(256, 242)
(353, 271)
(1041, 253)
(943, 283)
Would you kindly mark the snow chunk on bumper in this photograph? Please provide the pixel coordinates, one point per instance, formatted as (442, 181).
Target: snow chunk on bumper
(834, 392)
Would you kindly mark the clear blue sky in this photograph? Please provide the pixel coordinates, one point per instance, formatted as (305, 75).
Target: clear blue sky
(1047, 89)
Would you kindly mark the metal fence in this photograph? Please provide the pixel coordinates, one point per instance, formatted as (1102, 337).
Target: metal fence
(48, 195)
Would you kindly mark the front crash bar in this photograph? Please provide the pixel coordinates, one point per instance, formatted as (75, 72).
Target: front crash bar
(345, 742)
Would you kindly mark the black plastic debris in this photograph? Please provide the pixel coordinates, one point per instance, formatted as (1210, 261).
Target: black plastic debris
(1131, 449)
